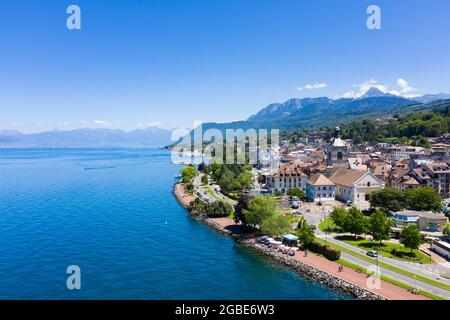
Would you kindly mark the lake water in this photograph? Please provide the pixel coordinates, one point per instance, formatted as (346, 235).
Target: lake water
(112, 213)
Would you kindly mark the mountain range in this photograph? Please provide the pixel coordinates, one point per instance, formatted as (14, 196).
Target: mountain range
(298, 109)
(293, 114)
(323, 111)
(87, 138)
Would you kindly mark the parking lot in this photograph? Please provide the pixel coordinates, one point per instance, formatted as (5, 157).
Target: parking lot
(313, 213)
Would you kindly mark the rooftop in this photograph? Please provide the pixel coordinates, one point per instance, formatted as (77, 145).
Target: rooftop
(347, 177)
(320, 180)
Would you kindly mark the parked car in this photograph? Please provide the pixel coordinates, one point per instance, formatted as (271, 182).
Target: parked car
(295, 205)
(298, 212)
(372, 254)
(348, 203)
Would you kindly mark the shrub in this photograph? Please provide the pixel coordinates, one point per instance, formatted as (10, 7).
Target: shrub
(277, 193)
(327, 251)
(331, 254)
(219, 209)
(316, 247)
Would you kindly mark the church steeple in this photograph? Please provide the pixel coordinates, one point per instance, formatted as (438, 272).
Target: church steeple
(337, 151)
(337, 132)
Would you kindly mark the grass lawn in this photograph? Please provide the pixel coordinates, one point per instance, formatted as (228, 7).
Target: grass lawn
(388, 249)
(212, 194)
(327, 225)
(388, 279)
(388, 266)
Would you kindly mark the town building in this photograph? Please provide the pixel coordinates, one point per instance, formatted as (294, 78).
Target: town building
(355, 186)
(319, 188)
(403, 152)
(286, 178)
(425, 220)
(439, 173)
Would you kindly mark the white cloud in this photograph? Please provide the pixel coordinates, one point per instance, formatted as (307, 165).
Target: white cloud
(404, 90)
(102, 123)
(157, 124)
(313, 86)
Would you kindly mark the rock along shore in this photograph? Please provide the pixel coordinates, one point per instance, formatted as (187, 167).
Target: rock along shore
(304, 269)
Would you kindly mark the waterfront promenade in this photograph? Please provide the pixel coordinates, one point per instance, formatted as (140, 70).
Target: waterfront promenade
(386, 290)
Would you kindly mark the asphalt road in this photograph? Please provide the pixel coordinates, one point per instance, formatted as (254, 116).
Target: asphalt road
(392, 274)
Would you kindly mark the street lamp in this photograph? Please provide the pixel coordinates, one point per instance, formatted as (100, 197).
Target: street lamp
(378, 250)
(326, 231)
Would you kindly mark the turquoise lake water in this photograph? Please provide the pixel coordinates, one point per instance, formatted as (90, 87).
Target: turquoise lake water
(112, 213)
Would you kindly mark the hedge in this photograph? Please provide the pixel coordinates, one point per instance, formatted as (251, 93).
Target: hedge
(327, 251)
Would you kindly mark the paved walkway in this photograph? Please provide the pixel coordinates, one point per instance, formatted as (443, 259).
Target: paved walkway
(414, 268)
(387, 290)
(183, 196)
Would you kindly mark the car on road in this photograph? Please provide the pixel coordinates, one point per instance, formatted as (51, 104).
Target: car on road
(348, 203)
(298, 212)
(295, 205)
(372, 254)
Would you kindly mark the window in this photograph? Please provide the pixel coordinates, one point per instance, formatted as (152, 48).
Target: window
(368, 184)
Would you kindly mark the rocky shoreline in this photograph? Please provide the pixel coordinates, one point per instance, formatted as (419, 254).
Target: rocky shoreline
(306, 270)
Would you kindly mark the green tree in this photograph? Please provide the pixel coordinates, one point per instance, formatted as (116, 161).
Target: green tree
(190, 188)
(276, 225)
(205, 180)
(188, 173)
(219, 209)
(197, 207)
(260, 209)
(379, 226)
(241, 206)
(296, 193)
(423, 198)
(355, 222)
(387, 199)
(305, 232)
(244, 180)
(447, 230)
(278, 193)
(423, 142)
(339, 217)
(410, 237)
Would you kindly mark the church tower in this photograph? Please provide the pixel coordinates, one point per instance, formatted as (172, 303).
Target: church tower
(337, 151)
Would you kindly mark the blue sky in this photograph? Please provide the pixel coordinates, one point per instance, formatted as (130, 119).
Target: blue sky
(136, 63)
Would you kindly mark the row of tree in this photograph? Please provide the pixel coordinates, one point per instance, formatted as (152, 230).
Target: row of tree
(215, 209)
(415, 126)
(422, 198)
(230, 177)
(261, 212)
(188, 173)
(378, 225)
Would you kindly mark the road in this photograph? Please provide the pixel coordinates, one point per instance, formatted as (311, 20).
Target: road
(392, 274)
(202, 193)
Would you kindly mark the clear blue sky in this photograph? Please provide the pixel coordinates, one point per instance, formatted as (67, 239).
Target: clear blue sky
(168, 62)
